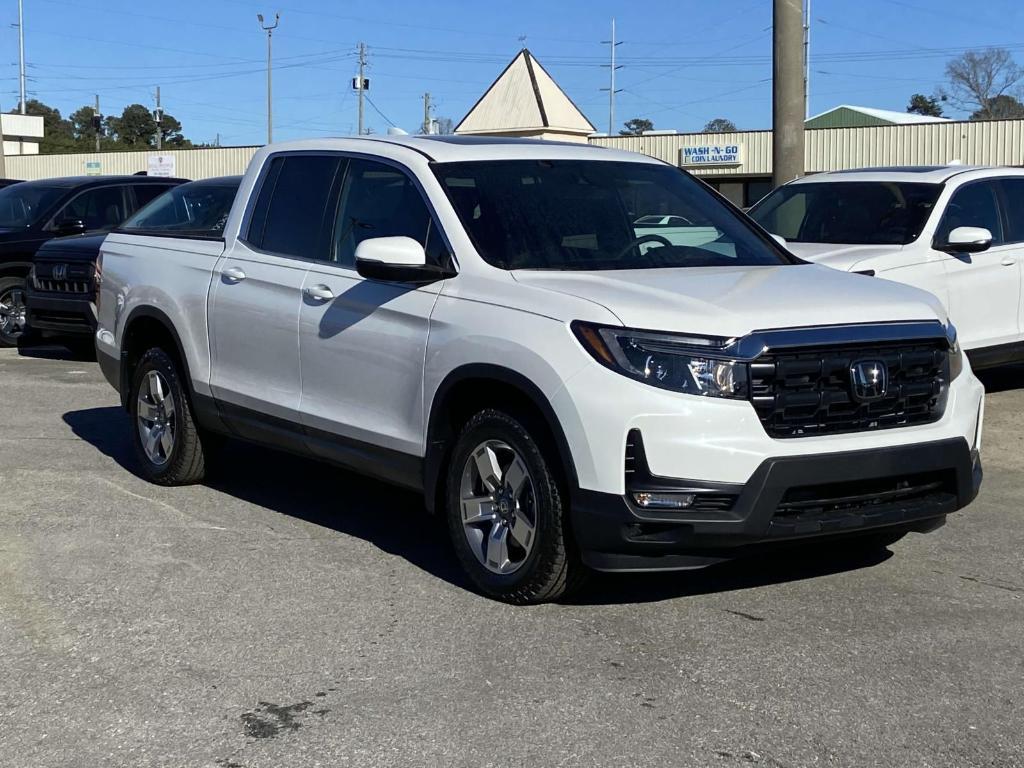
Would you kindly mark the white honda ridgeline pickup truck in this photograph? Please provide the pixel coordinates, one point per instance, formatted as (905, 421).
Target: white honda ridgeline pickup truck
(583, 358)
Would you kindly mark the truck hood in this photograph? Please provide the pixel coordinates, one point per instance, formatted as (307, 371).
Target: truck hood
(733, 301)
(844, 257)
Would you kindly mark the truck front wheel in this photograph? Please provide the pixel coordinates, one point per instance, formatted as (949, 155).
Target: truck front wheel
(164, 433)
(506, 514)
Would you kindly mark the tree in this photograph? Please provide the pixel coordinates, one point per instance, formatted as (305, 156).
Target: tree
(57, 131)
(134, 129)
(83, 126)
(170, 130)
(720, 125)
(636, 126)
(924, 105)
(977, 79)
(1002, 107)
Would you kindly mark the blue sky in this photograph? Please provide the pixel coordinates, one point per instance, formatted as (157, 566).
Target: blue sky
(684, 62)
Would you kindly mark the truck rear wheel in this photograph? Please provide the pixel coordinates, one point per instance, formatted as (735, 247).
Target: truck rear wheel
(165, 436)
(506, 516)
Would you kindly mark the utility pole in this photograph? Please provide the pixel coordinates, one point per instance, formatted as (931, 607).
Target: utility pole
(788, 108)
(158, 116)
(269, 29)
(612, 67)
(3, 152)
(21, 55)
(97, 122)
(427, 123)
(362, 83)
(807, 58)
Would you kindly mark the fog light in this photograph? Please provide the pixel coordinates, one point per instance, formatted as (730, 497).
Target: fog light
(655, 500)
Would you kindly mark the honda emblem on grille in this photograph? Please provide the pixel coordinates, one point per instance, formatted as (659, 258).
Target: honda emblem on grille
(870, 380)
(60, 272)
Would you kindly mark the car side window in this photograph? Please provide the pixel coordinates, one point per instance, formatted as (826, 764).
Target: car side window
(288, 216)
(101, 208)
(147, 193)
(1013, 194)
(973, 205)
(379, 200)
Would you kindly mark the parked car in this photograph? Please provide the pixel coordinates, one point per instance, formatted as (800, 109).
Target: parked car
(32, 212)
(8, 182)
(482, 321)
(956, 231)
(61, 290)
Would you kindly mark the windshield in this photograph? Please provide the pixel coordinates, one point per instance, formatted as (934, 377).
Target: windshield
(22, 205)
(194, 210)
(848, 212)
(597, 214)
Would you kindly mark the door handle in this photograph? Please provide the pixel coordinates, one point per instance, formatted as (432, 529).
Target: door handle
(1008, 261)
(233, 275)
(318, 292)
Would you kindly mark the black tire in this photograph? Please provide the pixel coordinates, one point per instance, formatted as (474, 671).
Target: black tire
(186, 463)
(552, 569)
(7, 285)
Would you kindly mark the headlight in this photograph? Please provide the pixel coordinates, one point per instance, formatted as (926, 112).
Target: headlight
(680, 363)
(956, 355)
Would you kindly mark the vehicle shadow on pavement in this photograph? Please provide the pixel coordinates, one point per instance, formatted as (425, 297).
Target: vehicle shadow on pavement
(394, 520)
(1002, 379)
(749, 573)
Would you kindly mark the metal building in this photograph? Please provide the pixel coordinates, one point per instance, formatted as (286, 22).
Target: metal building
(739, 164)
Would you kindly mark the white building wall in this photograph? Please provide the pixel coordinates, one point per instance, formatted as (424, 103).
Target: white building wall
(189, 163)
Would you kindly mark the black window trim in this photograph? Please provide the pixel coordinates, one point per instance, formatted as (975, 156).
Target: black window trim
(330, 220)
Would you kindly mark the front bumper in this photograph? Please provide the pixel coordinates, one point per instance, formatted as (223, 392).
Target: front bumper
(615, 535)
(56, 315)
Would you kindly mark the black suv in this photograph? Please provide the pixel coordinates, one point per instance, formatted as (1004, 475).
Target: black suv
(61, 293)
(33, 212)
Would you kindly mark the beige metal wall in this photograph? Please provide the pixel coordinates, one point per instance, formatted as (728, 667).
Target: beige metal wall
(190, 163)
(995, 142)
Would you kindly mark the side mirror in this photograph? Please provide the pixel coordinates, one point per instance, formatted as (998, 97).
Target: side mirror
(396, 259)
(966, 240)
(66, 227)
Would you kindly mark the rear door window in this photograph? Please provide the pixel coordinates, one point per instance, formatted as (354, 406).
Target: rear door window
(289, 214)
(1013, 194)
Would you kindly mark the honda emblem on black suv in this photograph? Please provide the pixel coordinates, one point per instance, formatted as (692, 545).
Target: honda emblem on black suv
(60, 272)
(870, 379)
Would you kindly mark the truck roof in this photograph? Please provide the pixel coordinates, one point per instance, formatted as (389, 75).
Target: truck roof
(452, 149)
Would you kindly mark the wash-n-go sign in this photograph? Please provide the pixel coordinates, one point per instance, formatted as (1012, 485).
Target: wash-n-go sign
(711, 154)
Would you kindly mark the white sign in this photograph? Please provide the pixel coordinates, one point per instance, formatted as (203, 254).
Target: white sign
(711, 154)
(162, 165)
(93, 167)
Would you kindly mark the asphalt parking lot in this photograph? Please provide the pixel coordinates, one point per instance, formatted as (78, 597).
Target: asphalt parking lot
(290, 614)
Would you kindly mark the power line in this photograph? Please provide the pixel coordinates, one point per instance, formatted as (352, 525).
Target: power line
(387, 119)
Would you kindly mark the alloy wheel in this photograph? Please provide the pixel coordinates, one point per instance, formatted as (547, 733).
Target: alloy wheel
(156, 418)
(499, 512)
(13, 314)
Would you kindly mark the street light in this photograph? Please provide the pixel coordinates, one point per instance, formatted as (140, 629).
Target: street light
(269, 29)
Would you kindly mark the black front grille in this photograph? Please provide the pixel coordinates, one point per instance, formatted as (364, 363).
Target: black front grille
(859, 496)
(808, 392)
(63, 278)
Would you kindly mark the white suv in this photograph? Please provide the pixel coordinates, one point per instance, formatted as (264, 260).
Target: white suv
(957, 231)
(484, 321)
